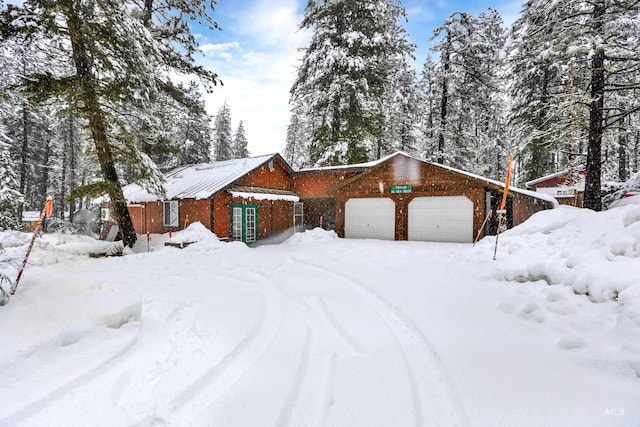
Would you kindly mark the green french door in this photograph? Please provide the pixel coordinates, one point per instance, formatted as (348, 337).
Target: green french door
(245, 223)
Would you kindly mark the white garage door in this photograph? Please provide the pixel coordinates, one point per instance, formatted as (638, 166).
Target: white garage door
(370, 218)
(441, 219)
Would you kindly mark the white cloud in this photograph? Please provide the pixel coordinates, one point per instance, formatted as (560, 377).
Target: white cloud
(257, 69)
(219, 48)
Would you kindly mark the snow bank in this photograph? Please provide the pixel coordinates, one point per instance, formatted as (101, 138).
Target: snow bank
(195, 232)
(570, 259)
(44, 315)
(596, 253)
(316, 235)
(50, 312)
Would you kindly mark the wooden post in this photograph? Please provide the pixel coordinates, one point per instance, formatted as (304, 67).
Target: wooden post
(482, 226)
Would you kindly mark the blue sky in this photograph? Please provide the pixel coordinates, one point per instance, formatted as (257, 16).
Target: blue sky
(257, 52)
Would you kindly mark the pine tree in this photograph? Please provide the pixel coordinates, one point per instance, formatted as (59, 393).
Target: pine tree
(240, 150)
(597, 40)
(222, 134)
(109, 55)
(345, 75)
(429, 103)
(196, 130)
(537, 89)
(470, 117)
(296, 150)
(10, 197)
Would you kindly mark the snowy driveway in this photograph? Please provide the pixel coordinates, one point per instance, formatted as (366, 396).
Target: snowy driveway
(316, 331)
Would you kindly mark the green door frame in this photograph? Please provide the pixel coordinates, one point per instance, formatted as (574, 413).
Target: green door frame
(244, 208)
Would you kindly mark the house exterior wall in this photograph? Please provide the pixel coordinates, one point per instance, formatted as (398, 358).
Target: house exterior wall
(274, 216)
(222, 215)
(196, 211)
(525, 206)
(316, 184)
(147, 217)
(426, 180)
(278, 179)
(313, 187)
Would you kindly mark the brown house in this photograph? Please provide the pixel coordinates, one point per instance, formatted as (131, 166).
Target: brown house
(557, 186)
(396, 198)
(243, 199)
(403, 198)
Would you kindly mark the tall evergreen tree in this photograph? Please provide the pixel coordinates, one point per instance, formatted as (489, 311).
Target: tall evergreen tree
(222, 140)
(296, 150)
(113, 53)
(537, 88)
(470, 117)
(345, 75)
(240, 142)
(196, 130)
(597, 40)
(10, 197)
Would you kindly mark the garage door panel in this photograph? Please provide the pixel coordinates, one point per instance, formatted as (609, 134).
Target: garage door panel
(441, 219)
(370, 218)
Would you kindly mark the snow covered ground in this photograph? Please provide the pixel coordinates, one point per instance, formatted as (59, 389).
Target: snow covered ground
(325, 331)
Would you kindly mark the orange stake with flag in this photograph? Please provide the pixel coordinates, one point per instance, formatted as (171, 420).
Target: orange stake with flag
(503, 205)
(46, 211)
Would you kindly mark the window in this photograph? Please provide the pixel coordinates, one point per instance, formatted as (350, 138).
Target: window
(250, 216)
(170, 214)
(298, 217)
(237, 224)
(244, 223)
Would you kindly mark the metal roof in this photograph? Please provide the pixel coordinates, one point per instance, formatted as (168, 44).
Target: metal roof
(553, 175)
(199, 181)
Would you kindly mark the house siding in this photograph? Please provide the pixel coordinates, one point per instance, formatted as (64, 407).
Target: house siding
(325, 193)
(426, 180)
(222, 214)
(278, 179)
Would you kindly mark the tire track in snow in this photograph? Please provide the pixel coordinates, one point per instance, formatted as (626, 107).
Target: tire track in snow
(53, 396)
(331, 319)
(301, 375)
(430, 381)
(309, 398)
(196, 397)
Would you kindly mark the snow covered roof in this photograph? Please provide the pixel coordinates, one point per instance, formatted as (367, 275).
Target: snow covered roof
(360, 166)
(551, 176)
(258, 193)
(500, 184)
(199, 181)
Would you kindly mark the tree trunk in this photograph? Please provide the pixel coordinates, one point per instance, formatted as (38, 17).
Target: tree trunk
(636, 154)
(63, 180)
(72, 167)
(592, 188)
(623, 174)
(44, 185)
(92, 111)
(443, 105)
(24, 150)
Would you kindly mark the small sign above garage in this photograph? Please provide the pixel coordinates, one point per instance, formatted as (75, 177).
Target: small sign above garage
(401, 189)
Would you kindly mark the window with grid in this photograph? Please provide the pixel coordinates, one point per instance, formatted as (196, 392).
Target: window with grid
(170, 214)
(250, 225)
(237, 224)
